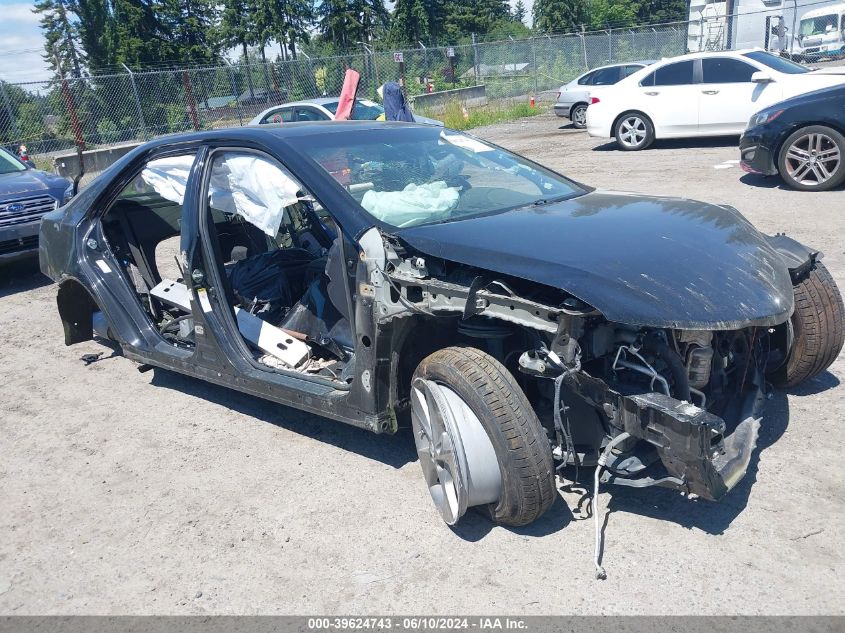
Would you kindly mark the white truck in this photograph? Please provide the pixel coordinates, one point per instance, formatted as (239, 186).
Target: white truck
(810, 29)
(821, 33)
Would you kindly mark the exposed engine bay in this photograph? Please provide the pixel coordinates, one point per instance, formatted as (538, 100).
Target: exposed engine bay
(680, 395)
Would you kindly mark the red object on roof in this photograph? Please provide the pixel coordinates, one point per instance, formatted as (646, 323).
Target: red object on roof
(347, 95)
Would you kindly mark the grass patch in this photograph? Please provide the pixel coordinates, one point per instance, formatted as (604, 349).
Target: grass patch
(453, 115)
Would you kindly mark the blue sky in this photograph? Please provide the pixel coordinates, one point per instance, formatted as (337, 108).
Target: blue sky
(22, 47)
(19, 31)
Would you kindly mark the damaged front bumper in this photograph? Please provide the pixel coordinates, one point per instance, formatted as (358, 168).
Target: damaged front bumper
(691, 443)
(701, 453)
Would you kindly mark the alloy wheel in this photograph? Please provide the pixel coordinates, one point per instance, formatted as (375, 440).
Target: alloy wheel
(579, 117)
(632, 131)
(813, 159)
(457, 457)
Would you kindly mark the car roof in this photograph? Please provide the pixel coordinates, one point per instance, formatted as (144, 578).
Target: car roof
(638, 62)
(705, 54)
(816, 13)
(279, 130)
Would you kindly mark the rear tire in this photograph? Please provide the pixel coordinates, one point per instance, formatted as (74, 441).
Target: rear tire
(817, 325)
(813, 159)
(578, 116)
(633, 131)
(518, 439)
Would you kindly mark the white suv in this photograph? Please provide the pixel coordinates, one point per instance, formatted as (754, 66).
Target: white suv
(700, 94)
(574, 97)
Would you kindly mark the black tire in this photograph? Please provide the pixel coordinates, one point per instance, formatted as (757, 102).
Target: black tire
(785, 163)
(519, 440)
(619, 132)
(578, 122)
(817, 325)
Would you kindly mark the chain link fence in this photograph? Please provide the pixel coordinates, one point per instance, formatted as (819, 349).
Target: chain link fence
(57, 116)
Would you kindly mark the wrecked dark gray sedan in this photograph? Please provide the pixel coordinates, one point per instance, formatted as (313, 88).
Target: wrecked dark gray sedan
(383, 274)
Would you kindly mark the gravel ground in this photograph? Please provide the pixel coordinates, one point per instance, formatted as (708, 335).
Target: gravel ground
(153, 493)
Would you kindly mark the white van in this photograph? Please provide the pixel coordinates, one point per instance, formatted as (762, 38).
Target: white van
(821, 33)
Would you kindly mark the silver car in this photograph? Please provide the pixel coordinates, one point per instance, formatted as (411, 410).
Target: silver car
(323, 109)
(574, 97)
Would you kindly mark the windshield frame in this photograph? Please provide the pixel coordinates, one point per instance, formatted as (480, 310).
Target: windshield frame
(8, 157)
(345, 139)
(778, 64)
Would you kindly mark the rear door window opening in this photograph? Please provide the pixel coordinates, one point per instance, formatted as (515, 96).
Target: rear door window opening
(143, 227)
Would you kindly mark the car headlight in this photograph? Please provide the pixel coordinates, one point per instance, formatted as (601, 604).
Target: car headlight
(763, 117)
(67, 195)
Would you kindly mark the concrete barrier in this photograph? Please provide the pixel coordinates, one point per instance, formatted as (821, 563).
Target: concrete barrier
(96, 160)
(437, 101)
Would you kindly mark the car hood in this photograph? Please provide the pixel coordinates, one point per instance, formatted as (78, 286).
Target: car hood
(31, 181)
(640, 260)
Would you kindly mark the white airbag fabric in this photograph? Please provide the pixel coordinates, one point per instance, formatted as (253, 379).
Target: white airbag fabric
(245, 185)
(169, 176)
(253, 188)
(413, 204)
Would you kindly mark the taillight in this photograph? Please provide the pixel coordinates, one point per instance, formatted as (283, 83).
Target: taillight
(594, 100)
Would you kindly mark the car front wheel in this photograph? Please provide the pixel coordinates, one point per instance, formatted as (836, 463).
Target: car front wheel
(478, 439)
(812, 159)
(633, 131)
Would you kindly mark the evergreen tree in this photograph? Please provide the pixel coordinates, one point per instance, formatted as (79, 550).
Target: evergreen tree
(61, 36)
(237, 25)
(464, 17)
(409, 22)
(96, 32)
(289, 22)
(187, 26)
(559, 16)
(348, 23)
(612, 13)
(137, 33)
(519, 11)
(655, 11)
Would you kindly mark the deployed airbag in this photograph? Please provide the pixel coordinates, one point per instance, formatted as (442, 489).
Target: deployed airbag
(411, 205)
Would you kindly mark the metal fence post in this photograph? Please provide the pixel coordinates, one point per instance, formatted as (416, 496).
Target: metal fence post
(475, 59)
(138, 108)
(13, 125)
(189, 97)
(534, 64)
(584, 46)
(234, 90)
(610, 45)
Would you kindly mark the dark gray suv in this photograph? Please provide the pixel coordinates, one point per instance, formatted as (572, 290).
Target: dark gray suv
(25, 195)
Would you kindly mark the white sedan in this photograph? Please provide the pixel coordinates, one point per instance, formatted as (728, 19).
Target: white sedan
(323, 109)
(700, 94)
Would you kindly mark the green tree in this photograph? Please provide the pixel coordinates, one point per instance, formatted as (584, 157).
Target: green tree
(96, 32)
(61, 36)
(612, 13)
(187, 26)
(655, 11)
(237, 28)
(348, 23)
(137, 33)
(409, 22)
(519, 11)
(287, 21)
(559, 16)
(464, 17)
